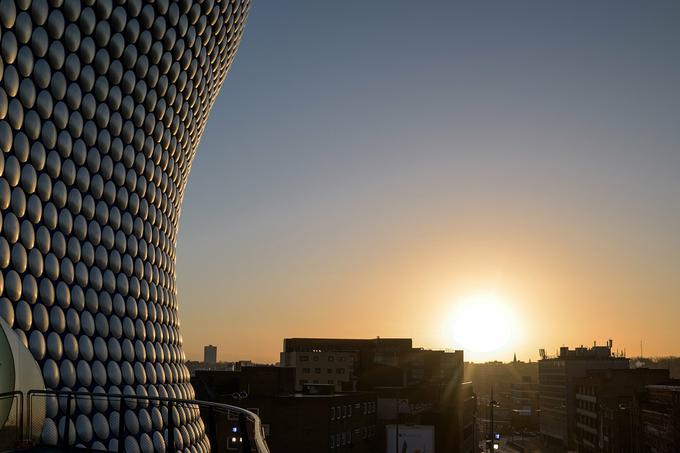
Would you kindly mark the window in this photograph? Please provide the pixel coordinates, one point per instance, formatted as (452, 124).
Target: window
(349, 411)
(340, 370)
(316, 381)
(341, 358)
(331, 381)
(315, 358)
(331, 358)
(332, 413)
(344, 411)
(304, 358)
(317, 370)
(305, 370)
(303, 381)
(329, 370)
(332, 441)
(234, 443)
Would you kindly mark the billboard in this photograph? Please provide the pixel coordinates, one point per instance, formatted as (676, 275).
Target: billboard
(410, 439)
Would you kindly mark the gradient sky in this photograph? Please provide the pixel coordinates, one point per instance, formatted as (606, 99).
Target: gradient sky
(369, 163)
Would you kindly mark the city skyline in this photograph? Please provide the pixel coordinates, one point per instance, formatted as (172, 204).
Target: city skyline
(354, 182)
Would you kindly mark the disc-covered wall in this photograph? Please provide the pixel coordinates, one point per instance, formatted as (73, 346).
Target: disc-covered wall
(102, 104)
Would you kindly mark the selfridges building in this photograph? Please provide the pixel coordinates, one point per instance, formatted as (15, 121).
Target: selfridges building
(102, 106)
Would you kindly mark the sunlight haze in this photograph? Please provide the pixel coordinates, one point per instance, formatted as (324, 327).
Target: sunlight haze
(355, 183)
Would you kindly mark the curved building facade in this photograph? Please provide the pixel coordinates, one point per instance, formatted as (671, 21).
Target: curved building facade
(102, 106)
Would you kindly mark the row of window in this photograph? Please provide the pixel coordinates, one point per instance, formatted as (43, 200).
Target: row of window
(346, 438)
(585, 390)
(316, 381)
(589, 438)
(340, 412)
(328, 370)
(588, 421)
(315, 358)
(587, 405)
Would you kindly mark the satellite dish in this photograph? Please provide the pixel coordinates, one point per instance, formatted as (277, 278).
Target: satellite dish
(19, 372)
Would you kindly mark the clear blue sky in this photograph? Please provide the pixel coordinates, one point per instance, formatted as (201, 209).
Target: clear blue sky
(368, 163)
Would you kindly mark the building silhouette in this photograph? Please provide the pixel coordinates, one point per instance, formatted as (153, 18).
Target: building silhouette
(413, 386)
(658, 415)
(315, 420)
(557, 379)
(210, 355)
(605, 407)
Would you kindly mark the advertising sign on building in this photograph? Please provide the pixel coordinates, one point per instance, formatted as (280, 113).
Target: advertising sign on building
(410, 438)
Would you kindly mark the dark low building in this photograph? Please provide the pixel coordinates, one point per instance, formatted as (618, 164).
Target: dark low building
(412, 385)
(605, 407)
(318, 419)
(658, 416)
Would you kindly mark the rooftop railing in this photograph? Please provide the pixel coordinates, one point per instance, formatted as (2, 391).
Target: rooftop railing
(228, 428)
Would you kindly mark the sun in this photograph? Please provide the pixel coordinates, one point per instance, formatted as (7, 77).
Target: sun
(482, 323)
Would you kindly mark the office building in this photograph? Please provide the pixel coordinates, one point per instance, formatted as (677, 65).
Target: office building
(557, 376)
(658, 415)
(374, 362)
(210, 355)
(412, 385)
(605, 407)
(315, 420)
(322, 367)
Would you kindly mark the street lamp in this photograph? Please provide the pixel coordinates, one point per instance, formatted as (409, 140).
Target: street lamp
(492, 435)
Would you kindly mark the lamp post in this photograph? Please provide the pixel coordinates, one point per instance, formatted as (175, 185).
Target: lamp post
(396, 415)
(492, 434)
